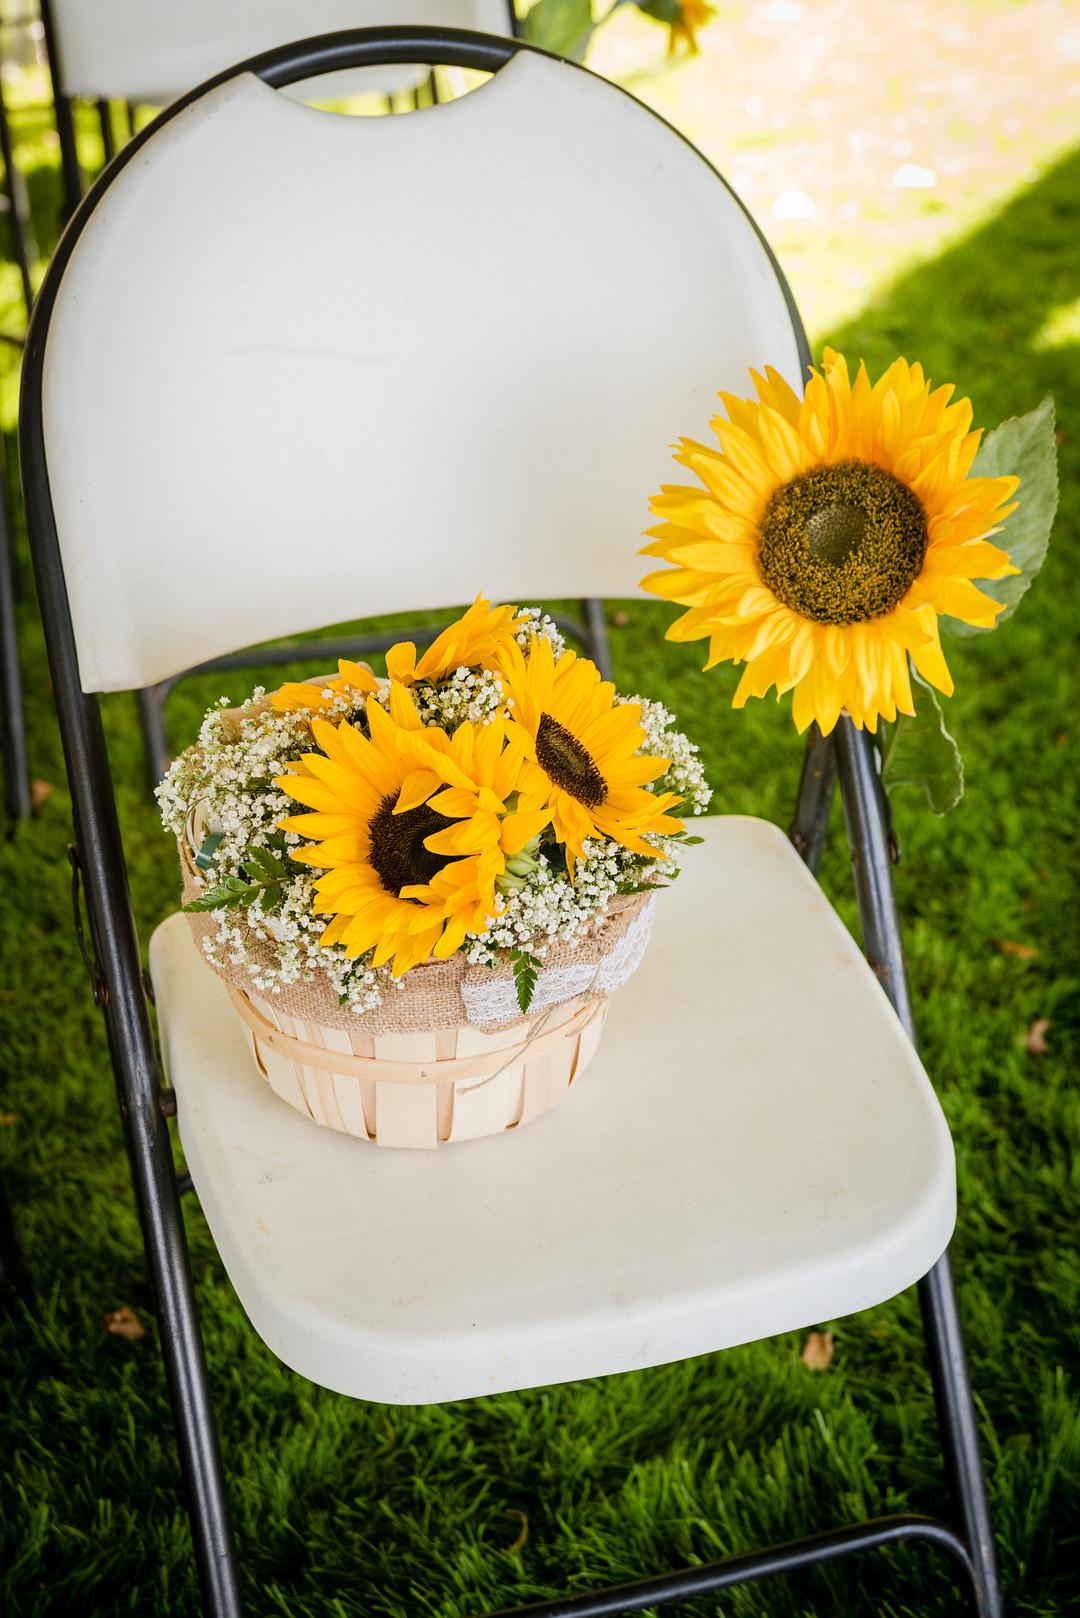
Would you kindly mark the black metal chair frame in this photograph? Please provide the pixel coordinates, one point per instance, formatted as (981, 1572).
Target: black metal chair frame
(16, 768)
(846, 758)
(16, 763)
(16, 206)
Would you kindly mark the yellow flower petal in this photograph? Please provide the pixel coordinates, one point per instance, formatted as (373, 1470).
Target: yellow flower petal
(710, 537)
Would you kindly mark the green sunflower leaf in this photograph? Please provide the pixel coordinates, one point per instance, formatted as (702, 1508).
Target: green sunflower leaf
(667, 11)
(1026, 447)
(525, 968)
(919, 752)
(561, 26)
(222, 898)
(261, 863)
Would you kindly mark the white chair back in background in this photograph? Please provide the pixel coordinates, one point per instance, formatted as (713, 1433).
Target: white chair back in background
(151, 51)
(154, 50)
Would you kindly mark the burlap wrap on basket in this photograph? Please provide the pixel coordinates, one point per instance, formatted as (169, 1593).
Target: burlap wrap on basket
(447, 994)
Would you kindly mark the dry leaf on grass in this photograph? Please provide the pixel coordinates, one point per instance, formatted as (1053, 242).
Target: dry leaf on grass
(124, 1323)
(7, 1119)
(523, 1536)
(39, 791)
(818, 1351)
(1035, 1038)
(1019, 952)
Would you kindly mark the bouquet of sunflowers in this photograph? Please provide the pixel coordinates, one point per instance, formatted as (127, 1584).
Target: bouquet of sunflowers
(470, 842)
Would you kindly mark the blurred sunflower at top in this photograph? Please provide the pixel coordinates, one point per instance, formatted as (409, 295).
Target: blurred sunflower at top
(565, 27)
(827, 536)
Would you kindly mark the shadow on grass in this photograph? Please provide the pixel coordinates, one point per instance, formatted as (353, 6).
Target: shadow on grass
(976, 310)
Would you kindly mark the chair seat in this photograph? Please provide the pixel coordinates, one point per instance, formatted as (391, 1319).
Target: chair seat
(754, 1148)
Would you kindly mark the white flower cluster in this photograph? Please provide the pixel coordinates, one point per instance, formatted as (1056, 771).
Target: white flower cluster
(473, 695)
(686, 773)
(531, 621)
(227, 778)
(295, 955)
(548, 907)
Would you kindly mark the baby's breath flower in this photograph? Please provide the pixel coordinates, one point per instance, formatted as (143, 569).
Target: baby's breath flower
(686, 773)
(473, 695)
(229, 773)
(531, 621)
(225, 782)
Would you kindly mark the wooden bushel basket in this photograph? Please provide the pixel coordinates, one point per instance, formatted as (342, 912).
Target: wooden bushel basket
(430, 1086)
(423, 1089)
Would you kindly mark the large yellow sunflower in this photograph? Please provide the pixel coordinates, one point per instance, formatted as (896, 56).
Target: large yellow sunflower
(475, 777)
(475, 638)
(404, 876)
(355, 678)
(374, 859)
(830, 534)
(587, 770)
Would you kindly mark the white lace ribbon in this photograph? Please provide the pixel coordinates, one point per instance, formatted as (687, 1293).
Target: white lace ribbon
(487, 1004)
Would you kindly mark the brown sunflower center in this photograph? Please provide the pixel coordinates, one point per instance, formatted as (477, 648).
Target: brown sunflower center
(842, 544)
(398, 855)
(571, 766)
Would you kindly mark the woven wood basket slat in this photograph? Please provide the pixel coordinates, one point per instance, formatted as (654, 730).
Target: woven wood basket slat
(503, 1086)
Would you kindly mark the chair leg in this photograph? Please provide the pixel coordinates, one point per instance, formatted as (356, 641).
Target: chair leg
(157, 1198)
(867, 821)
(817, 788)
(155, 736)
(868, 835)
(120, 989)
(70, 171)
(108, 145)
(960, 1438)
(16, 768)
(18, 207)
(596, 625)
(185, 1368)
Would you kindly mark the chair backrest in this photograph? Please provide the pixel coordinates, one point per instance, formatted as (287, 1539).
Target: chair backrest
(155, 50)
(296, 368)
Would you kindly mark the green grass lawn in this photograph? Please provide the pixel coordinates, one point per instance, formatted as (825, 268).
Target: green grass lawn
(346, 1508)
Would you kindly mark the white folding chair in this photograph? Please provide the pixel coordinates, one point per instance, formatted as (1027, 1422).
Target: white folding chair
(289, 463)
(152, 51)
